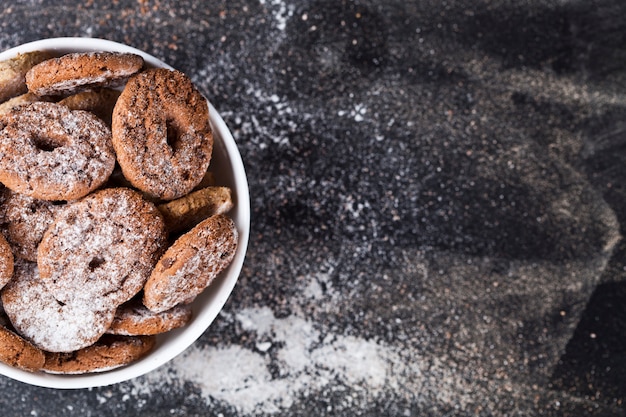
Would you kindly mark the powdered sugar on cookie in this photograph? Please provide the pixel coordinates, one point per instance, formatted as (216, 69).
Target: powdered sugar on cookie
(191, 263)
(101, 248)
(49, 324)
(52, 153)
(86, 244)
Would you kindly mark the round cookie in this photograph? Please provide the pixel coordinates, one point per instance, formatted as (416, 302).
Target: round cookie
(13, 73)
(191, 263)
(24, 220)
(101, 248)
(52, 153)
(161, 133)
(79, 71)
(17, 352)
(51, 325)
(134, 319)
(108, 353)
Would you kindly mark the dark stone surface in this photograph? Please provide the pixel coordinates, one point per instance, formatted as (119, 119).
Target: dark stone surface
(438, 205)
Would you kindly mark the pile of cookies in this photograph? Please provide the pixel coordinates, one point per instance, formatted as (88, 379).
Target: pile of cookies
(111, 223)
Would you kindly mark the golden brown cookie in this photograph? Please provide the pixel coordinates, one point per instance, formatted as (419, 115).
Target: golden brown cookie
(161, 133)
(99, 102)
(191, 263)
(134, 319)
(25, 98)
(44, 321)
(18, 352)
(101, 248)
(80, 71)
(52, 153)
(184, 213)
(24, 220)
(108, 353)
(13, 73)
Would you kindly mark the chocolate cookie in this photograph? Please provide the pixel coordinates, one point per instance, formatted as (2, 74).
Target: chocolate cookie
(18, 352)
(24, 220)
(46, 322)
(108, 353)
(191, 264)
(134, 319)
(75, 72)
(52, 153)
(20, 100)
(161, 133)
(101, 248)
(185, 212)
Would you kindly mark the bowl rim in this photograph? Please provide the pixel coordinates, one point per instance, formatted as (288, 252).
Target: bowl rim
(177, 341)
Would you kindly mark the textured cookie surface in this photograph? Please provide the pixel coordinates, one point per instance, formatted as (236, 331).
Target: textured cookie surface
(6, 261)
(52, 153)
(134, 319)
(13, 73)
(191, 263)
(102, 247)
(99, 102)
(185, 212)
(108, 353)
(18, 352)
(47, 323)
(79, 71)
(161, 133)
(24, 220)
(20, 100)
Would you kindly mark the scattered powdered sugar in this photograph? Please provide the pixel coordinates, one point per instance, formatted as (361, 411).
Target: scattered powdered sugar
(281, 11)
(241, 377)
(299, 360)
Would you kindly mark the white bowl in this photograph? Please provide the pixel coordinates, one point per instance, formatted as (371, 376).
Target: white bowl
(226, 163)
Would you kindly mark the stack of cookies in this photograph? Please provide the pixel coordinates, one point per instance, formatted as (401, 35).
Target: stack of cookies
(111, 221)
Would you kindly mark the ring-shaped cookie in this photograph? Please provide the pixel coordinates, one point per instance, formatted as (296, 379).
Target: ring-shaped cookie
(49, 152)
(161, 133)
(44, 321)
(101, 248)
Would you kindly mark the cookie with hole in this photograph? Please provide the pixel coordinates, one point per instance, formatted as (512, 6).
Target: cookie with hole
(47, 323)
(101, 248)
(50, 152)
(162, 134)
